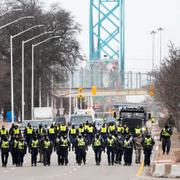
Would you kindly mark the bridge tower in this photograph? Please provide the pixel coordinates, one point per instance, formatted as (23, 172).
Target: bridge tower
(107, 31)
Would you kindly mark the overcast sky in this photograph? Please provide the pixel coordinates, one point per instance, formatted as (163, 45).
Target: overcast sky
(142, 16)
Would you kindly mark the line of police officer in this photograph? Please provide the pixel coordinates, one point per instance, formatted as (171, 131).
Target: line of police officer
(117, 141)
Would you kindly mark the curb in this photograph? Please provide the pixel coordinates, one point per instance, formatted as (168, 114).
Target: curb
(166, 170)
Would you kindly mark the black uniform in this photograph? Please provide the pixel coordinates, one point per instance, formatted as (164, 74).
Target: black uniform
(80, 149)
(110, 145)
(47, 151)
(28, 134)
(147, 144)
(4, 151)
(34, 146)
(21, 151)
(97, 144)
(13, 149)
(165, 137)
(119, 149)
(128, 151)
(62, 147)
(72, 136)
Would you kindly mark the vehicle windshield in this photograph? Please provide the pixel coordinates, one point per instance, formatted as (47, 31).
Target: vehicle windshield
(81, 119)
(132, 115)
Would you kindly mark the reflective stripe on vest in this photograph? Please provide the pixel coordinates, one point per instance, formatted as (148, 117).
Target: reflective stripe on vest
(148, 141)
(34, 143)
(127, 144)
(120, 129)
(21, 145)
(137, 131)
(63, 128)
(110, 142)
(90, 129)
(97, 142)
(4, 132)
(64, 142)
(46, 144)
(16, 131)
(81, 142)
(73, 131)
(81, 130)
(103, 130)
(5, 145)
(51, 131)
(29, 130)
(165, 133)
(111, 128)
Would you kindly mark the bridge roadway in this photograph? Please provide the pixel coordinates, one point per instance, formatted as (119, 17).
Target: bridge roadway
(73, 172)
(101, 92)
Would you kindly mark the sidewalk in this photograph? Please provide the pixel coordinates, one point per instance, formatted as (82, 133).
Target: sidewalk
(166, 165)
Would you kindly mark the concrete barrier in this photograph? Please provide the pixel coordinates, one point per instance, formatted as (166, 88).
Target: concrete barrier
(158, 170)
(175, 171)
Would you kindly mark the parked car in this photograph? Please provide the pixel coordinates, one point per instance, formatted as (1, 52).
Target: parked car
(60, 120)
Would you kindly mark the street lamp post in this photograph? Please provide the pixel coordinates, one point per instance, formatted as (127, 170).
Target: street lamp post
(12, 86)
(32, 79)
(160, 29)
(153, 34)
(23, 44)
(12, 78)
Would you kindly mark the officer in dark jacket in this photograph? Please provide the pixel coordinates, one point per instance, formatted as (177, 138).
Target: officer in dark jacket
(98, 146)
(147, 143)
(3, 132)
(47, 151)
(110, 146)
(34, 147)
(4, 151)
(72, 136)
(128, 150)
(80, 149)
(165, 135)
(13, 148)
(119, 149)
(62, 146)
(21, 151)
(28, 134)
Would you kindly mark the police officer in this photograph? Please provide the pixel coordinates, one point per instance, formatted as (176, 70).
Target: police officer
(137, 131)
(120, 129)
(126, 130)
(16, 131)
(97, 145)
(80, 149)
(47, 151)
(90, 133)
(81, 130)
(63, 144)
(14, 152)
(21, 151)
(104, 132)
(147, 143)
(111, 128)
(52, 134)
(128, 150)
(4, 151)
(3, 132)
(119, 148)
(72, 136)
(110, 145)
(28, 133)
(63, 129)
(34, 146)
(165, 135)
(40, 133)
(138, 148)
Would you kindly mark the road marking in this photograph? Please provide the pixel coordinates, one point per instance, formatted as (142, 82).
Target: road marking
(140, 170)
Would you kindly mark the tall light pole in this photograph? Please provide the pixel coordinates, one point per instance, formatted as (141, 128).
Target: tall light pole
(12, 78)
(32, 79)
(23, 44)
(153, 34)
(160, 29)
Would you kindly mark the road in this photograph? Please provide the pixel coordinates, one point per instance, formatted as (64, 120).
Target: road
(71, 172)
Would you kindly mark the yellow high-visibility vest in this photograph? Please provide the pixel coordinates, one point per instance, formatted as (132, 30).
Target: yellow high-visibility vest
(5, 145)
